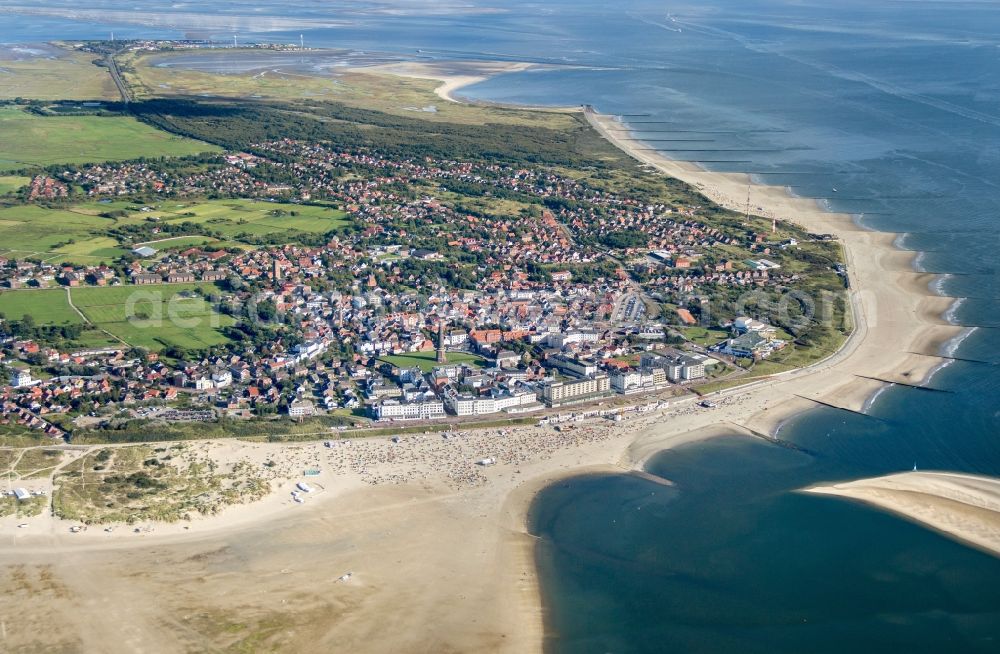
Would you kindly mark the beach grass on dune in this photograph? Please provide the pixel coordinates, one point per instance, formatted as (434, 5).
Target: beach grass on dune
(136, 483)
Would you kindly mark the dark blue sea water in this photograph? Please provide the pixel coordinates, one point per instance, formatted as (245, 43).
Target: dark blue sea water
(896, 104)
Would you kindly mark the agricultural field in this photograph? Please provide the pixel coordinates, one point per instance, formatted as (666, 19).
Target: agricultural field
(28, 139)
(154, 317)
(426, 361)
(137, 483)
(49, 72)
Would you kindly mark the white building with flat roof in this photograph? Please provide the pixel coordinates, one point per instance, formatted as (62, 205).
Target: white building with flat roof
(301, 409)
(399, 410)
(22, 378)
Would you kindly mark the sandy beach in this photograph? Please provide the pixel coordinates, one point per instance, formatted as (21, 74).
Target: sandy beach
(412, 534)
(453, 75)
(964, 507)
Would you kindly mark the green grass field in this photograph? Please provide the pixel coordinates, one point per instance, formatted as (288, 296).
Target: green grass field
(51, 307)
(47, 306)
(232, 218)
(76, 234)
(154, 317)
(182, 243)
(703, 336)
(10, 183)
(57, 234)
(426, 361)
(59, 75)
(30, 140)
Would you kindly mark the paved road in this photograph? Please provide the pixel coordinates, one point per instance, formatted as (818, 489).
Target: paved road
(116, 77)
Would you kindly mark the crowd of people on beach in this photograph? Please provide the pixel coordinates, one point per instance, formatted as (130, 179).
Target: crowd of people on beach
(459, 458)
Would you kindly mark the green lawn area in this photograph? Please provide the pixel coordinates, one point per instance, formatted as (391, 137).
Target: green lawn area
(77, 234)
(154, 317)
(30, 140)
(46, 306)
(10, 183)
(428, 360)
(181, 243)
(704, 336)
(232, 218)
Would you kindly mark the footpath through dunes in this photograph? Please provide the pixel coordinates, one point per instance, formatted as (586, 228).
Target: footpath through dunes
(964, 507)
(899, 331)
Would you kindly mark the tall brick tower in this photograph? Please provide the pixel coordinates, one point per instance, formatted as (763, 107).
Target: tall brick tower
(441, 356)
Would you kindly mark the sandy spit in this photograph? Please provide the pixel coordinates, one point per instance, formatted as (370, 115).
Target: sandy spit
(963, 507)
